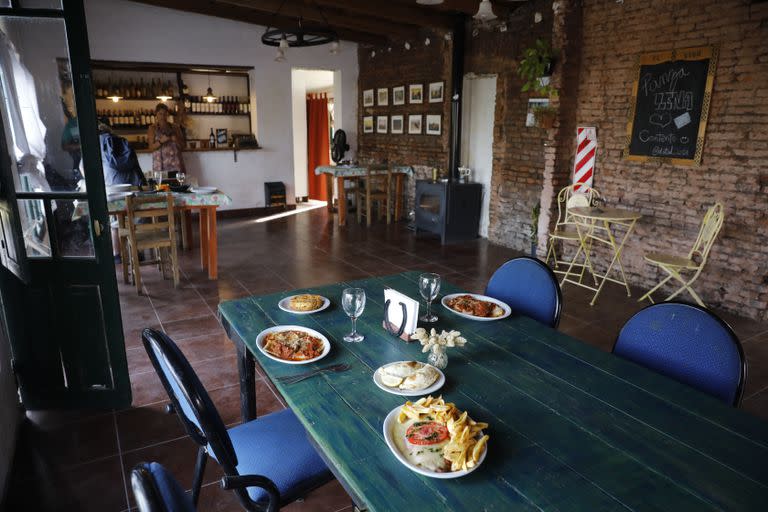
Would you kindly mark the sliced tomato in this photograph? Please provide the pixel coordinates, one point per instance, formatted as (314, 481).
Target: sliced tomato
(426, 433)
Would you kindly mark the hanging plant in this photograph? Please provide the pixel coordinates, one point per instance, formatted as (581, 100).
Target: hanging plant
(536, 68)
(545, 116)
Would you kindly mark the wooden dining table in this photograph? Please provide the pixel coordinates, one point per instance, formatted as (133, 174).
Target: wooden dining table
(571, 427)
(341, 173)
(184, 204)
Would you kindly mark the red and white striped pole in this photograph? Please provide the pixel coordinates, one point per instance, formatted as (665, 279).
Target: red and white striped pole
(586, 150)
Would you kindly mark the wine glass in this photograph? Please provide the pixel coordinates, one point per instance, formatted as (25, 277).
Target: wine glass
(158, 177)
(353, 302)
(181, 176)
(429, 287)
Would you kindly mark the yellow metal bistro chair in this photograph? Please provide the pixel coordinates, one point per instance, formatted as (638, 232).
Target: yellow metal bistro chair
(692, 264)
(571, 196)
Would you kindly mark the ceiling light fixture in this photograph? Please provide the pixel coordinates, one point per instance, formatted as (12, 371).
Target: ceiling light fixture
(114, 97)
(302, 35)
(429, 2)
(335, 48)
(209, 97)
(485, 11)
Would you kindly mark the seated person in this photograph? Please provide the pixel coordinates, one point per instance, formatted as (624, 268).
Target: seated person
(118, 159)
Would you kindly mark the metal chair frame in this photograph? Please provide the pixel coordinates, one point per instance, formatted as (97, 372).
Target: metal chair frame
(732, 335)
(212, 433)
(561, 231)
(710, 227)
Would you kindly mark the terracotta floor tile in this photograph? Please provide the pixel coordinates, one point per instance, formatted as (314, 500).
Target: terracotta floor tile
(192, 327)
(139, 427)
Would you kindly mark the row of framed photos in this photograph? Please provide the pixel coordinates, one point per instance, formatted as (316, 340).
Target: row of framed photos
(415, 95)
(394, 124)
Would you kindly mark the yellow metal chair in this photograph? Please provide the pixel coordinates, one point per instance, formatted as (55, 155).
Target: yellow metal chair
(692, 264)
(571, 196)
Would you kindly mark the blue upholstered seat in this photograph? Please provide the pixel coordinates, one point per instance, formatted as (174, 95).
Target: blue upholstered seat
(261, 448)
(274, 448)
(689, 344)
(156, 490)
(529, 287)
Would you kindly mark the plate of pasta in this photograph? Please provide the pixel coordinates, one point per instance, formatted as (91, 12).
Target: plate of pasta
(293, 344)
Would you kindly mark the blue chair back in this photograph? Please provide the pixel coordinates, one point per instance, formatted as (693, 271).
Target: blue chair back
(687, 343)
(530, 288)
(156, 490)
(190, 399)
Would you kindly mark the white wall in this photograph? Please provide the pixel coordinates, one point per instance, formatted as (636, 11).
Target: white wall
(122, 30)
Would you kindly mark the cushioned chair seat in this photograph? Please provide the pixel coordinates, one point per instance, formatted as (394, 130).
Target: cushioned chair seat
(261, 449)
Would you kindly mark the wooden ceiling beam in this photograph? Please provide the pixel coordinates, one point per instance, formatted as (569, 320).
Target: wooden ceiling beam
(336, 19)
(210, 8)
(399, 13)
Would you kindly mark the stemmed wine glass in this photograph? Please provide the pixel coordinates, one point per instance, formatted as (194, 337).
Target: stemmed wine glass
(181, 176)
(353, 302)
(429, 287)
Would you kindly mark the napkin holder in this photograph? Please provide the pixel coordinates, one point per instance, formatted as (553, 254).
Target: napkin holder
(394, 330)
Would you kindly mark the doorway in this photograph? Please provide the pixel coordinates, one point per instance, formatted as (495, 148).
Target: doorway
(315, 96)
(478, 111)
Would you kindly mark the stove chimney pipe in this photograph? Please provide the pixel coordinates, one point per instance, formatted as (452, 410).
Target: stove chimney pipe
(457, 83)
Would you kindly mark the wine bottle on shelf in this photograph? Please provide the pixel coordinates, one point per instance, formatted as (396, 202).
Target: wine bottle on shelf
(212, 139)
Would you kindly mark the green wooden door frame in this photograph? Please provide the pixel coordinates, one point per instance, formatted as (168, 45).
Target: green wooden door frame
(66, 328)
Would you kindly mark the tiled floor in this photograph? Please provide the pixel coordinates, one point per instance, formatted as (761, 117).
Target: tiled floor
(87, 457)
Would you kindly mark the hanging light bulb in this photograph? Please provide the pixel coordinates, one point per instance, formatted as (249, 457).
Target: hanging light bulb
(280, 57)
(209, 97)
(485, 11)
(335, 48)
(284, 44)
(115, 98)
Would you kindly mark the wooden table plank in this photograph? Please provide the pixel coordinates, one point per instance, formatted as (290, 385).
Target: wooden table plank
(571, 429)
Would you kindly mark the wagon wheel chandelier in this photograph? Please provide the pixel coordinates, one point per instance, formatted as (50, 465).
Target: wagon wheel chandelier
(301, 36)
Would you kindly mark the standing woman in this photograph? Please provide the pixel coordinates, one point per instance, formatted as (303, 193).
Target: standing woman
(166, 141)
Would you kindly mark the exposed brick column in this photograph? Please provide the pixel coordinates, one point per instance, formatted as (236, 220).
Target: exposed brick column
(559, 146)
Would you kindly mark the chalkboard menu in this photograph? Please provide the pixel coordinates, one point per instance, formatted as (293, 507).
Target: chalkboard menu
(671, 96)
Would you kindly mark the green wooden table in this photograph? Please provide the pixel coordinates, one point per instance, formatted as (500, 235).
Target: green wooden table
(572, 428)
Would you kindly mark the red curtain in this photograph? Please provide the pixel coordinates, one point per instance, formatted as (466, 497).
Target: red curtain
(318, 143)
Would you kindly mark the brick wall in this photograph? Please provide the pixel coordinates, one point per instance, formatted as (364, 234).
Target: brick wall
(734, 166)
(394, 66)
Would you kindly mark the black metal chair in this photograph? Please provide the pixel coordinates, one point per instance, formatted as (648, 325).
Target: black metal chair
(156, 490)
(687, 343)
(530, 288)
(268, 462)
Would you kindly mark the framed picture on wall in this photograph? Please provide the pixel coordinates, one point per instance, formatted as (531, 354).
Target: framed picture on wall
(383, 97)
(221, 137)
(414, 124)
(397, 124)
(436, 92)
(368, 98)
(415, 93)
(398, 95)
(381, 124)
(368, 124)
(434, 124)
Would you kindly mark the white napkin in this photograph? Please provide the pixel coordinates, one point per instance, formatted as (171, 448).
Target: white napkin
(396, 311)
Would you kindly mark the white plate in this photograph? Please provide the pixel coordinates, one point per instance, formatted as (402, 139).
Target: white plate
(204, 190)
(389, 423)
(260, 342)
(285, 306)
(507, 309)
(408, 392)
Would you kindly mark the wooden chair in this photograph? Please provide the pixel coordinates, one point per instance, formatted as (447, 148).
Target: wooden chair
(140, 235)
(572, 196)
(694, 262)
(374, 187)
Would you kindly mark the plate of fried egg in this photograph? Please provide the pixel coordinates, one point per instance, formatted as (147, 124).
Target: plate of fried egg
(408, 378)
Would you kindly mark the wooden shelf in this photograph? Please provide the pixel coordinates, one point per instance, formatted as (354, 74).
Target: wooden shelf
(214, 114)
(133, 99)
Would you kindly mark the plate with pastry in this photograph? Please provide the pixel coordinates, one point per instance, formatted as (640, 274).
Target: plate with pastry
(476, 307)
(409, 378)
(304, 304)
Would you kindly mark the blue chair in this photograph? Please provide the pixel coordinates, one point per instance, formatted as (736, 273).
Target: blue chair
(156, 490)
(687, 343)
(268, 462)
(530, 288)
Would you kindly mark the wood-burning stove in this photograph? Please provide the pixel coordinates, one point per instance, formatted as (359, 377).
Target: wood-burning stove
(448, 208)
(274, 194)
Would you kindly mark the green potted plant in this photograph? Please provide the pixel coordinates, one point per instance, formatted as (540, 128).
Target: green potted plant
(545, 116)
(536, 68)
(534, 233)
